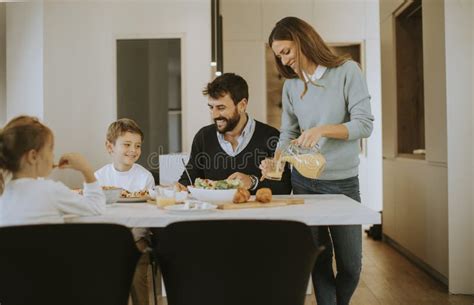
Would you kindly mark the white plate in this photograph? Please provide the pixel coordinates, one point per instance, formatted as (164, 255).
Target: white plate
(191, 207)
(132, 199)
(112, 195)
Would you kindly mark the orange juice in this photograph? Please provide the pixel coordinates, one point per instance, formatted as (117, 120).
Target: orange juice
(274, 175)
(165, 195)
(309, 165)
(164, 201)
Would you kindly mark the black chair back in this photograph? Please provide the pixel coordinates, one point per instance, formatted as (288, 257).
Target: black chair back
(236, 262)
(73, 264)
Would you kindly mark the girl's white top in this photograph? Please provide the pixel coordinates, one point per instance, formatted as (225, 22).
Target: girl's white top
(34, 201)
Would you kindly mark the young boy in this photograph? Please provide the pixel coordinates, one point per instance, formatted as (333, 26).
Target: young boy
(124, 141)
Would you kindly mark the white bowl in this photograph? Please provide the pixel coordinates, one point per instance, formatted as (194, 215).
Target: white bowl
(112, 195)
(191, 207)
(216, 196)
(179, 196)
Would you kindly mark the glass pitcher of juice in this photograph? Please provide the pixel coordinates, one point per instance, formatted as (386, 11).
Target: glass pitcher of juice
(309, 162)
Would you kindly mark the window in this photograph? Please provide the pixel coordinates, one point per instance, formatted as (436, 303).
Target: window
(410, 95)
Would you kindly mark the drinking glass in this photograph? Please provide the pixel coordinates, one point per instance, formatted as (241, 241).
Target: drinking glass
(165, 195)
(275, 169)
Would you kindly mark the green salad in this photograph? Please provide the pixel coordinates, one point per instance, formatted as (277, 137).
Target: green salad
(226, 184)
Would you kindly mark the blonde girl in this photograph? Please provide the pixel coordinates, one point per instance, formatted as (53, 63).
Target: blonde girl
(26, 156)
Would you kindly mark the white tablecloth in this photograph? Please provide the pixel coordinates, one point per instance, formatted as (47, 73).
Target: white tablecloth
(317, 210)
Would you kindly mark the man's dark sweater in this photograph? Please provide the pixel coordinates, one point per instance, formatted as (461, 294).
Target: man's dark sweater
(209, 161)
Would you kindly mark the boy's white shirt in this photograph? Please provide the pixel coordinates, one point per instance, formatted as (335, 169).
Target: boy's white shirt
(35, 201)
(136, 179)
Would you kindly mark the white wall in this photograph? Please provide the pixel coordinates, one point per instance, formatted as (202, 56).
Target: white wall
(79, 64)
(3, 95)
(459, 35)
(247, 24)
(24, 53)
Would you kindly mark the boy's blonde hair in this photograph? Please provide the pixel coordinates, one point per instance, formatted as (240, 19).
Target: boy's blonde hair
(120, 127)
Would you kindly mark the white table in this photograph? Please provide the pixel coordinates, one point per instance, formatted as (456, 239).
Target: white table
(317, 210)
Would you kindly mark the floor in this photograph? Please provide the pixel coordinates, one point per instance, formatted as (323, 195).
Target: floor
(388, 278)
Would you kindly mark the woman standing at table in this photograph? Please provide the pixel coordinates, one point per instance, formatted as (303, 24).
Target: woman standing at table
(325, 102)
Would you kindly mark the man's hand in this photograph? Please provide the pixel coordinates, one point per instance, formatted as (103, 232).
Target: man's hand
(246, 180)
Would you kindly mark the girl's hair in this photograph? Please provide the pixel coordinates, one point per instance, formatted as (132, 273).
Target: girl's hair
(19, 136)
(307, 42)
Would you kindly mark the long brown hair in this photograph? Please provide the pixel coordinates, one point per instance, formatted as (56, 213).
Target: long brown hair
(19, 136)
(307, 42)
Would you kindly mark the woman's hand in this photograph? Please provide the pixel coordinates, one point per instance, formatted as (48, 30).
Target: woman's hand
(310, 137)
(78, 162)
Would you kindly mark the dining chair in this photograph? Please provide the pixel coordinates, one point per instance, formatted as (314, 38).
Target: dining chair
(155, 274)
(235, 262)
(74, 264)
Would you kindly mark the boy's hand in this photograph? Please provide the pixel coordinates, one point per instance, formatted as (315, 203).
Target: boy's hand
(180, 188)
(78, 162)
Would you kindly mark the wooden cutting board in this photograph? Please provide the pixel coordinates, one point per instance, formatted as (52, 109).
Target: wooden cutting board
(256, 204)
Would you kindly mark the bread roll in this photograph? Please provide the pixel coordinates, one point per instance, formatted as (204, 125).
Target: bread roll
(242, 195)
(264, 195)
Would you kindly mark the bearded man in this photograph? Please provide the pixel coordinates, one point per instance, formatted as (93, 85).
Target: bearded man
(234, 146)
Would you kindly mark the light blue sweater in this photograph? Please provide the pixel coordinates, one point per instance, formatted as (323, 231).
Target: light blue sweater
(343, 98)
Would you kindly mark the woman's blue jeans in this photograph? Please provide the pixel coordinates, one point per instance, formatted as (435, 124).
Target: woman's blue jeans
(344, 241)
